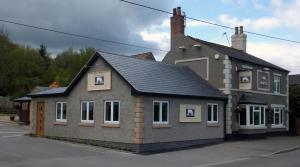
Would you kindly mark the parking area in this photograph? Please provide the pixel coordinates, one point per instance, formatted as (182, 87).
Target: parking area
(19, 150)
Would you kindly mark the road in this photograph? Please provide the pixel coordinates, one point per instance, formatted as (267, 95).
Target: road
(17, 150)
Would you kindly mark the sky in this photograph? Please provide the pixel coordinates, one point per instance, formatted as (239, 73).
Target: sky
(117, 21)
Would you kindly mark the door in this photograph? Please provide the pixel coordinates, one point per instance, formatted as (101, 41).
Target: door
(40, 118)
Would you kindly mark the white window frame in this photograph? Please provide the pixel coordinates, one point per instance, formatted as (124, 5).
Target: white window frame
(212, 112)
(111, 112)
(280, 109)
(160, 112)
(257, 81)
(61, 113)
(277, 82)
(87, 111)
(250, 125)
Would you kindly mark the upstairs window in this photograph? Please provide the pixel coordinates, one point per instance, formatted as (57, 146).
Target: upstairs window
(111, 112)
(212, 113)
(61, 111)
(87, 111)
(277, 84)
(160, 112)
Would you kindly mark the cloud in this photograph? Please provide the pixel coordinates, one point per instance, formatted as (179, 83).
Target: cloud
(284, 15)
(287, 13)
(263, 23)
(112, 20)
(282, 54)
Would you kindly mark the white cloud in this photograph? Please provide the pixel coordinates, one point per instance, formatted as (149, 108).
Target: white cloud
(287, 13)
(282, 54)
(161, 39)
(284, 15)
(263, 23)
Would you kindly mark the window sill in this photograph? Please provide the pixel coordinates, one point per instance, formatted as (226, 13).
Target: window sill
(86, 124)
(213, 124)
(253, 127)
(107, 125)
(158, 126)
(278, 126)
(60, 123)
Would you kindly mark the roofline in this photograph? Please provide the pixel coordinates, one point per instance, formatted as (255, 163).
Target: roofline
(139, 93)
(279, 68)
(46, 95)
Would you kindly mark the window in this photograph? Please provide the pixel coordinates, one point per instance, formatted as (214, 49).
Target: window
(160, 112)
(61, 111)
(263, 80)
(111, 112)
(277, 116)
(212, 113)
(252, 116)
(87, 111)
(276, 84)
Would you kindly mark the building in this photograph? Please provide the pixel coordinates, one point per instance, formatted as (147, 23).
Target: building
(294, 81)
(132, 104)
(257, 90)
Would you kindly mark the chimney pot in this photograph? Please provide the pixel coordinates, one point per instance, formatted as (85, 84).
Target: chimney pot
(239, 39)
(241, 29)
(236, 30)
(174, 11)
(179, 11)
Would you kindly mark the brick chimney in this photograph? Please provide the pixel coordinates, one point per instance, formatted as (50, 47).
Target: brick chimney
(177, 22)
(239, 39)
(54, 84)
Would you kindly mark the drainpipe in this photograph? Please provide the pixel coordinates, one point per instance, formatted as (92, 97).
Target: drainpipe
(224, 119)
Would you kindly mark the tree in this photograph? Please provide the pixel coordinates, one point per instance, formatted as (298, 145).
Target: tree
(294, 93)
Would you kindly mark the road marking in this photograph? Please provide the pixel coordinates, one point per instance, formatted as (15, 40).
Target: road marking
(223, 162)
(12, 136)
(13, 132)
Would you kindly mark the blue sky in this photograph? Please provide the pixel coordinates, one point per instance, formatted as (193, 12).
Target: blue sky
(117, 21)
(272, 17)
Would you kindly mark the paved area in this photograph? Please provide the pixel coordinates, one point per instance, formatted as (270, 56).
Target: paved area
(17, 150)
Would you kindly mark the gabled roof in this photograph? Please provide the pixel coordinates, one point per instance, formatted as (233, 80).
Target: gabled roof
(49, 92)
(238, 54)
(145, 56)
(149, 77)
(294, 79)
(159, 78)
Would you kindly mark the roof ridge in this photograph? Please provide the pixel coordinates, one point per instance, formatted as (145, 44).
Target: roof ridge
(142, 60)
(269, 64)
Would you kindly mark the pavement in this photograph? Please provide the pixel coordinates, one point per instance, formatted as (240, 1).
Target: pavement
(19, 150)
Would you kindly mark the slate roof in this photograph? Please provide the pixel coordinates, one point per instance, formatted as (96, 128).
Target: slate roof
(248, 98)
(23, 99)
(238, 54)
(159, 78)
(149, 77)
(49, 92)
(294, 79)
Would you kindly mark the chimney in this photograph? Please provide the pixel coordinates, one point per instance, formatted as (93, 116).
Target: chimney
(239, 39)
(177, 22)
(54, 84)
